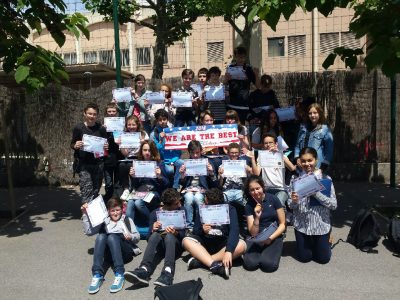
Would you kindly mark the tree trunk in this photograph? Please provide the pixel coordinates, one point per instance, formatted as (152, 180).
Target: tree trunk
(246, 38)
(159, 52)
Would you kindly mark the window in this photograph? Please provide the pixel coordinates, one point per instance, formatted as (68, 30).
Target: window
(296, 45)
(348, 40)
(125, 57)
(90, 57)
(215, 51)
(107, 57)
(143, 56)
(328, 42)
(276, 47)
(70, 58)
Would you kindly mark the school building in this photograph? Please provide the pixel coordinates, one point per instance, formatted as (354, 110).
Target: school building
(298, 45)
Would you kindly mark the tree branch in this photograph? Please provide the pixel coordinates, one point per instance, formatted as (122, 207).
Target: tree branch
(235, 27)
(142, 23)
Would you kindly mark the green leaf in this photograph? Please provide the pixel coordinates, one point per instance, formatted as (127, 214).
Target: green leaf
(351, 61)
(329, 61)
(252, 13)
(21, 73)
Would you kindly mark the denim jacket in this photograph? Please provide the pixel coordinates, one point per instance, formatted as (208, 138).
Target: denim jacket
(320, 139)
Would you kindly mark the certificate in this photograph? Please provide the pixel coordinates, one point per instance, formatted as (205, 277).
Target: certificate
(264, 235)
(237, 72)
(122, 94)
(214, 214)
(182, 99)
(306, 185)
(155, 97)
(234, 168)
(173, 218)
(286, 114)
(114, 124)
(198, 88)
(196, 167)
(214, 93)
(270, 159)
(130, 140)
(282, 146)
(145, 169)
(94, 144)
(96, 211)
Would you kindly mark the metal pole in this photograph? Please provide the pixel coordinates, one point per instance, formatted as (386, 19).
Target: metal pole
(116, 39)
(393, 131)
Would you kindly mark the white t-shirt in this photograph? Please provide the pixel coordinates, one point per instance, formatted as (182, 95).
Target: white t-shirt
(273, 177)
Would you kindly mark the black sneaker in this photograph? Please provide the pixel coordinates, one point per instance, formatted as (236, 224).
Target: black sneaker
(193, 263)
(165, 279)
(218, 268)
(139, 275)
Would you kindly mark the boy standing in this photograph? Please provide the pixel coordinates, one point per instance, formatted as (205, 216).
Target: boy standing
(166, 242)
(239, 89)
(186, 116)
(89, 167)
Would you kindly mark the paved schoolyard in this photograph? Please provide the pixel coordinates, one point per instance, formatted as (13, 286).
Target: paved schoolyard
(46, 256)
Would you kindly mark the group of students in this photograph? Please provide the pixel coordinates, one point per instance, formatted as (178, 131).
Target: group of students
(263, 197)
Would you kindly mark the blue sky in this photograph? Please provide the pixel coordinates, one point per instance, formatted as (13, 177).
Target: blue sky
(74, 5)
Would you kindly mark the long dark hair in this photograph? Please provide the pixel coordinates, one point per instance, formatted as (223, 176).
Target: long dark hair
(265, 126)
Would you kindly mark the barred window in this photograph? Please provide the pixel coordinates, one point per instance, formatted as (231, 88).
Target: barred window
(125, 57)
(297, 45)
(328, 42)
(143, 56)
(215, 51)
(70, 58)
(107, 57)
(90, 57)
(348, 40)
(276, 46)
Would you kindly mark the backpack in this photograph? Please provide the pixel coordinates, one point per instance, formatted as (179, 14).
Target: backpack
(364, 232)
(186, 290)
(394, 234)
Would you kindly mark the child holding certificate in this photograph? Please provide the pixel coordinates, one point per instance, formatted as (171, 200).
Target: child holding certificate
(162, 240)
(217, 107)
(193, 187)
(264, 212)
(147, 188)
(115, 244)
(273, 176)
(214, 246)
(311, 215)
(88, 165)
(316, 134)
(269, 123)
(232, 117)
(171, 158)
(132, 124)
(167, 105)
(186, 116)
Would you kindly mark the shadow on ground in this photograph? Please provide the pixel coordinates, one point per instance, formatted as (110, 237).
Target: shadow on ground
(54, 204)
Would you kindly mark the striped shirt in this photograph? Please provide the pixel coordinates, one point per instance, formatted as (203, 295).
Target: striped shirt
(312, 219)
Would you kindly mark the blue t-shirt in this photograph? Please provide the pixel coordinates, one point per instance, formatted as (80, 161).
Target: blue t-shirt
(269, 206)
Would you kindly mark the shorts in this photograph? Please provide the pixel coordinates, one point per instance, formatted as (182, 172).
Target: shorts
(213, 244)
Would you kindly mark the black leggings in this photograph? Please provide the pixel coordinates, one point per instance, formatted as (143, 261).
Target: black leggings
(313, 247)
(266, 258)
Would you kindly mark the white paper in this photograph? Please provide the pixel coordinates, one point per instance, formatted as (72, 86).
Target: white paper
(214, 93)
(214, 214)
(237, 72)
(122, 94)
(234, 168)
(148, 197)
(114, 124)
(182, 99)
(94, 144)
(282, 146)
(270, 159)
(198, 88)
(155, 97)
(145, 169)
(171, 218)
(196, 167)
(286, 114)
(96, 211)
(306, 185)
(130, 140)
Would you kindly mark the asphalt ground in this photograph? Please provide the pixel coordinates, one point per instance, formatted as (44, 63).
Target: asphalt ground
(45, 255)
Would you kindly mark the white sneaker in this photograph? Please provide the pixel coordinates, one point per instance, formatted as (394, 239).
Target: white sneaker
(125, 195)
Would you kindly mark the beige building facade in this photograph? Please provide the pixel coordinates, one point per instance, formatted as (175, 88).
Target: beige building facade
(298, 45)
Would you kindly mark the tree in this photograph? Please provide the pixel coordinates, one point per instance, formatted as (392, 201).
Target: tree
(171, 21)
(35, 66)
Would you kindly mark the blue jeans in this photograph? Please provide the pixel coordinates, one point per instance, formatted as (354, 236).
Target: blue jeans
(234, 195)
(142, 207)
(282, 195)
(192, 201)
(173, 171)
(112, 248)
